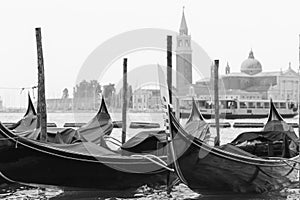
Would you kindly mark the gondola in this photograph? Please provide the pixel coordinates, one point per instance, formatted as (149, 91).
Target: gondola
(78, 165)
(100, 125)
(84, 164)
(229, 168)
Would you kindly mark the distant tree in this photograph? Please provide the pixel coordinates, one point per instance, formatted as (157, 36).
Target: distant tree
(108, 91)
(87, 95)
(65, 94)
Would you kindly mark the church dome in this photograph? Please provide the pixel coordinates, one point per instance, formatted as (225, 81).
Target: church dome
(251, 66)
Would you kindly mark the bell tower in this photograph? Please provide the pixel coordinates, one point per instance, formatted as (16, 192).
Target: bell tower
(183, 59)
(227, 69)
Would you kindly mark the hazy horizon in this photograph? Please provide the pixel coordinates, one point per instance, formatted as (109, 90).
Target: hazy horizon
(73, 29)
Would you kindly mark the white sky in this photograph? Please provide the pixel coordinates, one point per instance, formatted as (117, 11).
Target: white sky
(72, 29)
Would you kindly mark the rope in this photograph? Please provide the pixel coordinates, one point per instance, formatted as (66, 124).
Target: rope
(291, 170)
(18, 88)
(8, 138)
(109, 137)
(163, 164)
(158, 158)
(293, 166)
(285, 159)
(238, 160)
(265, 173)
(67, 157)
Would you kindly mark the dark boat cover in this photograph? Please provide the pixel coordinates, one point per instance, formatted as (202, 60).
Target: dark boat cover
(265, 136)
(145, 141)
(148, 140)
(276, 129)
(93, 131)
(28, 122)
(99, 126)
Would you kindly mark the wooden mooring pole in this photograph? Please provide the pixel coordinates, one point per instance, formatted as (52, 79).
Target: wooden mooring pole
(41, 105)
(216, 96)
(299, 106)
(299, 93)
(124, 109)
(169, 66)
(169, 85)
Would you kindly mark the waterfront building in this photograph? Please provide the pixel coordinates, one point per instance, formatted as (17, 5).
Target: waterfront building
(146, 99)
(252, 82)
(59, 104)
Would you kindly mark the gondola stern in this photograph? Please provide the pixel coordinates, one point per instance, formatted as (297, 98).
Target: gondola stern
(195, 113)
(273, 113)
(30, 107)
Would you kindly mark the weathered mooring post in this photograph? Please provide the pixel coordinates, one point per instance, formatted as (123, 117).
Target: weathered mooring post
(169, 66)
(216, 96)
(299, 92)
(299, 105)
(41, 104)
(124, 109)
(169, 85)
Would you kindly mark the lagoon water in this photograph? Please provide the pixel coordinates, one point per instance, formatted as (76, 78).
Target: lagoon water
(179, 192)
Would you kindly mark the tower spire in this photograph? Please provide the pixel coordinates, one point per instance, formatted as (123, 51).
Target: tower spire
(227, 69)
(183, 30)
(251, 55)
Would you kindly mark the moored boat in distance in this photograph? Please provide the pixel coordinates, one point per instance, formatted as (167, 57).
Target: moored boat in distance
(238, 109)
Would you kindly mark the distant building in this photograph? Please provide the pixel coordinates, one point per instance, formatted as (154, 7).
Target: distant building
(146, 99)
(118, 99)
(253, 83)
(59, 104)
(250, 83)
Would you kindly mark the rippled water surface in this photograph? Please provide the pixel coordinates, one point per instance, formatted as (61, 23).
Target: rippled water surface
(179, 192)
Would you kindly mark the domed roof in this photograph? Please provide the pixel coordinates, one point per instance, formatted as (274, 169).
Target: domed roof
(251, 66)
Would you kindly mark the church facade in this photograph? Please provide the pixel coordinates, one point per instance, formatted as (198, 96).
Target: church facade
(253, 83)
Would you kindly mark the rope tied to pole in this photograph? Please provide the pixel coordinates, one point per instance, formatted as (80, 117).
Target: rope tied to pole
(159, 161)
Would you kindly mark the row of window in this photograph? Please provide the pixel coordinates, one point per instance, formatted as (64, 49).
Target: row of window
(281, 105)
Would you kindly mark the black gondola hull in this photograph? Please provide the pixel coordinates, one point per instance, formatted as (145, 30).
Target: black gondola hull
(204, 168)
(205, 171)
(28, 162)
